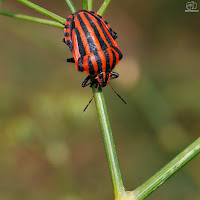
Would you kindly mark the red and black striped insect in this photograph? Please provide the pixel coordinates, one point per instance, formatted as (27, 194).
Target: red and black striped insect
(92, 43)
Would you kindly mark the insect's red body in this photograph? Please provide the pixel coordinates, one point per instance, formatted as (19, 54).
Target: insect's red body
(92, 43)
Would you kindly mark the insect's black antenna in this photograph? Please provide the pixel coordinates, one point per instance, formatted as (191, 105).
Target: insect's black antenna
(117, 94)
(91, 98)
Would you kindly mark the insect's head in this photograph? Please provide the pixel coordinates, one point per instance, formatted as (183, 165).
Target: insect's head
(103, 78)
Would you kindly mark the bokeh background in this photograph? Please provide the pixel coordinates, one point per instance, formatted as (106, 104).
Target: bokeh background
(50, 150)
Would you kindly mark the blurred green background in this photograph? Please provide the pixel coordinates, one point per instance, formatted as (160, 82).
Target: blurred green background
(50, 150)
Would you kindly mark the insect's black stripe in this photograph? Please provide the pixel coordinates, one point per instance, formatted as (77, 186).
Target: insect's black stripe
(91, 67)
(107, 60)
(100, 18)
(101, 41)
(110, 30)
(92, 12)
(69, 44)
(80, 64)
(66, 34)
(119, 52)
(90, 41)
(72, 25)
(114, 35)
(80, 43)
(106, 79)
(114, 59)
(67, 26)
(106, 22)
(98, 60)
(101, 77)
(104, 32)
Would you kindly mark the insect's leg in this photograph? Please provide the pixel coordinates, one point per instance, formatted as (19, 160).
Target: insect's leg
(85, 81)
(92, 83)
(71, 60)
(114, 75)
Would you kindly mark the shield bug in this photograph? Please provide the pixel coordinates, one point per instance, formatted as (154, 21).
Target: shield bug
(92, 43)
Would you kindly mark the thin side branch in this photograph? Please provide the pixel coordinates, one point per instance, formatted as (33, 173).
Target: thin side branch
(32, 19)
(43, 11)
(166, 172)
(71, 6)
(85, 4)
(103, 7)
(89, 4)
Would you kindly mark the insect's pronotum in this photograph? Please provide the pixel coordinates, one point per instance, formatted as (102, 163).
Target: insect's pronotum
(92, 43)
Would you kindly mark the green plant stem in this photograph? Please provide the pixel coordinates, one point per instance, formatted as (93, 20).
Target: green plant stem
(166, 172)
(89, 4)
(85, 4)
(71, 6)
(103, 7)
(32, 19)
(43, 11)
(109, 143)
